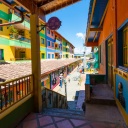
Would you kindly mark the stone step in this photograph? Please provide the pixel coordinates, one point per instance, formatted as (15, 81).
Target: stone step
(76, 114)
(103, 101)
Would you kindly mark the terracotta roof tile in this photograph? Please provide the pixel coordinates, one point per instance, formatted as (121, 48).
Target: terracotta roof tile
(15, 70)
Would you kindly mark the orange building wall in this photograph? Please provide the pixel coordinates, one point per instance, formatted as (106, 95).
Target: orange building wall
(107, 31)
(111, 25)
(108, 23)
(122, 11)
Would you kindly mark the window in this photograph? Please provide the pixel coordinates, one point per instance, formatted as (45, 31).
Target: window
(48, 43)
(52, 55)
(42, 27)
(125, 47)
(48, 31)
(1, 28)
(42, 84)
(48, 56)
(52, 44)
(1, 54)
(42, 40)
(52, 33)
(43, 56)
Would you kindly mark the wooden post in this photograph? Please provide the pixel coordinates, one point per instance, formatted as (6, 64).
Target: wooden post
(36, 66)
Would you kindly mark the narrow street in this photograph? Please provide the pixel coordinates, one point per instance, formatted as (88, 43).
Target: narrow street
(75, 89)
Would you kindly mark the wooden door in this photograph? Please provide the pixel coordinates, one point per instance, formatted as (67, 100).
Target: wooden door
(110, 61)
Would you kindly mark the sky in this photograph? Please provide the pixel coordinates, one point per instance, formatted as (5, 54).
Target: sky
(73, 24)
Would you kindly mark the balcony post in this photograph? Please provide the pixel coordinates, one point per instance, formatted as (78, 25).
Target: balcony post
(36, 66)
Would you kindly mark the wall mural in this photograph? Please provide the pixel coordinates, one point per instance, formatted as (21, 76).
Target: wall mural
(122, 91)
(120, 94)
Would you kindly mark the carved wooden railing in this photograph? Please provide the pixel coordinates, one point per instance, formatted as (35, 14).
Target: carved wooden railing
(15, 90)
(52, 99)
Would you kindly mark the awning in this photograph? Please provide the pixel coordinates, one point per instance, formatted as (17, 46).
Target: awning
(45, 78)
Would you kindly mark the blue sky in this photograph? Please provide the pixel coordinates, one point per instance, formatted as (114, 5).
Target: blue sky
(74, 21)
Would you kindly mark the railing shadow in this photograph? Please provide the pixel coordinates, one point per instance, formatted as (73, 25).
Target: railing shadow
(52, 99)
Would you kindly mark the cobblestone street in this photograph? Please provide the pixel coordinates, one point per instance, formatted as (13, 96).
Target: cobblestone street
(75, 89)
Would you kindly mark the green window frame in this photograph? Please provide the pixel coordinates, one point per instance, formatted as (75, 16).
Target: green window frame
(42, 40)
(43, 55)
(1, 28)
(1, 54)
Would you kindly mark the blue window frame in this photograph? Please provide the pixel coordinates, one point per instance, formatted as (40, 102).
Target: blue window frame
(52, 44)
(48, 56)
(48, 31)
(123, 46)
(48, 43)
(52, 55)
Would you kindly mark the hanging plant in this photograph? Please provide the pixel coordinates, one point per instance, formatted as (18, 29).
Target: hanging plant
(13, 30)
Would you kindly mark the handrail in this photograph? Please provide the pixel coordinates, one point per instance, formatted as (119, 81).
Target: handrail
(52, 91)
(15, 90)
(52, 99)
(6, 82)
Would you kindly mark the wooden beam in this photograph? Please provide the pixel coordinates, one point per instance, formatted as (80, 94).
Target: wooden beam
(93, 7)
(26, 4)
(60, 6)
(91, 44)
(29, 6)
(96, 29)
(101, 22)
(44, 2)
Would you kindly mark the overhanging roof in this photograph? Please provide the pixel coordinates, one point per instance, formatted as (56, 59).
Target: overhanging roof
(96, 14)
(45, 6)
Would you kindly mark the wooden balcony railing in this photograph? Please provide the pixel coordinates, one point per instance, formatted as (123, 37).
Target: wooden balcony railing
(51, 99)
(15, 90)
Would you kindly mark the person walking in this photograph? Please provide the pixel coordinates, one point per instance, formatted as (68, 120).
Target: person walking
(84, 106)
(69, 80)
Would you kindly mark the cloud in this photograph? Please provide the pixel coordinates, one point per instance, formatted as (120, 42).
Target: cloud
(81, 50)
(81, 35)
(78, 50)
(88, 50)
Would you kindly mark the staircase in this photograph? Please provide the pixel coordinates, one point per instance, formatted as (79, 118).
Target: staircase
(64, 113)
(102, 94)
(55, 104)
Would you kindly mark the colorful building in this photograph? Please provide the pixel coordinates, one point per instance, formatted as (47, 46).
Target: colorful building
(68, 49)
(15, 40)
(108, 30)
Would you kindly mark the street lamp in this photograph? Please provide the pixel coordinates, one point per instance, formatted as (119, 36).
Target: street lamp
(63, 80)
(84, 64)
(65, 83)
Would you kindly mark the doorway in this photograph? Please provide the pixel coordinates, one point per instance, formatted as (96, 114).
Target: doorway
(110, 61)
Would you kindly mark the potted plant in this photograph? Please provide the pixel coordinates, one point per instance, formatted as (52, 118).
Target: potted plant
(13, 32)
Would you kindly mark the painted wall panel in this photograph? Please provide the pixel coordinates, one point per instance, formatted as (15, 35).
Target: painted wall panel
(5, 31)
(5, 41)
(9, 52)
(125, 91)
(28, 53)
